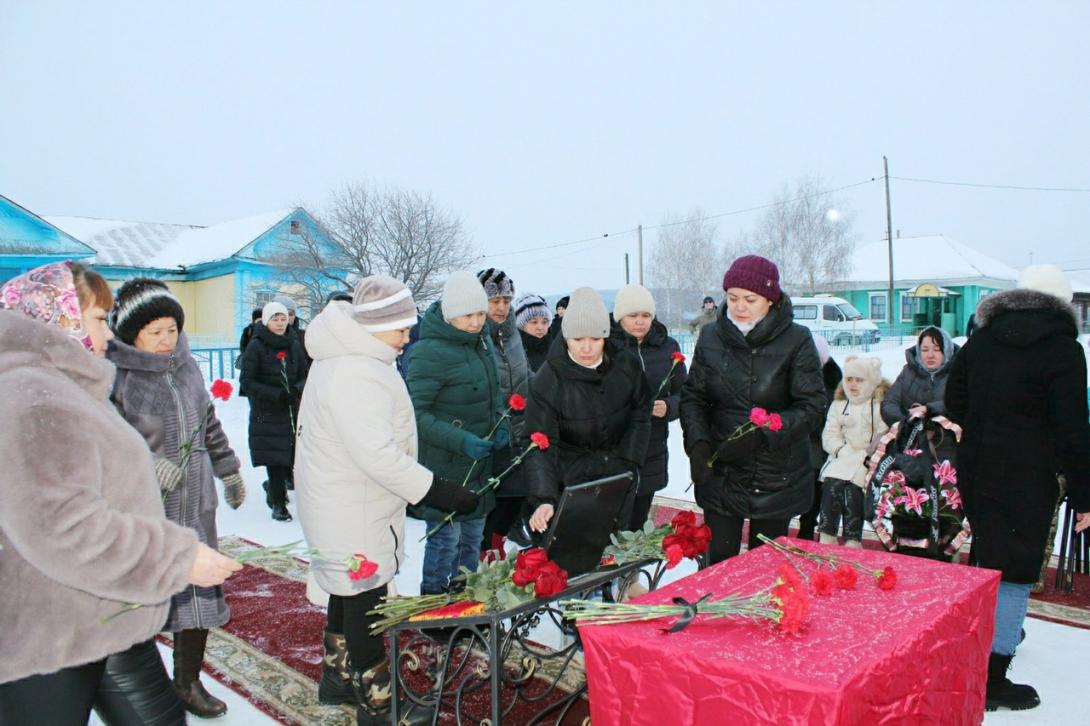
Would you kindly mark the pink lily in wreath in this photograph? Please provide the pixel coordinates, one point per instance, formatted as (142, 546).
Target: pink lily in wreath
(946, 473)
(894, 477)
(953, 498)
(913, 499)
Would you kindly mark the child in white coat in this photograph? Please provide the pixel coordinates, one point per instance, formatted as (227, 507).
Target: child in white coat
(853, 422)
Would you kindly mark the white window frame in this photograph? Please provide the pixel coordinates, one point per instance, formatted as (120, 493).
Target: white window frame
(884, 294)
(904, 296)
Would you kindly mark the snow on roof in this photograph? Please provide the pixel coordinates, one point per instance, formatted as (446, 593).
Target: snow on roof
(158, 245)
(925, 259)
(119, 242)
(217, 242)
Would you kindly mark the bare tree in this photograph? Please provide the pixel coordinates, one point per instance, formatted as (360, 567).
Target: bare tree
(684, 263)
(807, 232)
(365, 231)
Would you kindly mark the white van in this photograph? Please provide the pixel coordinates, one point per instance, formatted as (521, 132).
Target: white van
(835, 319)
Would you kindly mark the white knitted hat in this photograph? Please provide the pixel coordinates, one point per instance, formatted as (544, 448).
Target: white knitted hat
(1048, 279)
(381, 303)
(633, 298)
(271, 309)
(586, 316)
(463, 294)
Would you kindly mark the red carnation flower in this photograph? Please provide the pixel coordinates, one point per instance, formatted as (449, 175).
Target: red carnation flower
(790, 576)
(758, 416)
(822, 583)
(678, 357)
(550, 580)
(222, 389)
(539, 440)
(775, 423)
(845, 577)
(282, 355)
(517, 402)
(888, 579)
(360, 568)
(674, 554)
(683, 519)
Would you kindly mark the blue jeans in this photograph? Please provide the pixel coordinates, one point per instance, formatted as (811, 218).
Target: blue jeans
(1010, 614)
(456, 544)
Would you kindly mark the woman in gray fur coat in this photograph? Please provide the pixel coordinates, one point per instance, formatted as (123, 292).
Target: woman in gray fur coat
(82, 529)
(160, 391)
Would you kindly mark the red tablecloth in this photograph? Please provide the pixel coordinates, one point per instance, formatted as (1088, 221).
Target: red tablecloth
(916, 654)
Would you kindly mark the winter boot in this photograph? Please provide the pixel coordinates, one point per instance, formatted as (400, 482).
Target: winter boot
(188, 656)
(372, 694)
(277, 501)
(335, 687)
(829, 539)
(1004, 694)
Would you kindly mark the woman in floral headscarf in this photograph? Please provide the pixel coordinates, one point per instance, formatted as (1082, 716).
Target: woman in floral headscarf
(82, 528)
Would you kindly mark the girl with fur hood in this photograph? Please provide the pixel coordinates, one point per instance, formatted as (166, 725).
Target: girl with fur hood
(853, 422)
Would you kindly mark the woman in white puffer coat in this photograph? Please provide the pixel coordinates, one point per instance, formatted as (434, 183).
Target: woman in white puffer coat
(355, 471)
(854, 421)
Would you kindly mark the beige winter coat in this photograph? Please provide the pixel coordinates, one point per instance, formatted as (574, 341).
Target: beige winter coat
(81, 520)
(355, 460)
(850, 427)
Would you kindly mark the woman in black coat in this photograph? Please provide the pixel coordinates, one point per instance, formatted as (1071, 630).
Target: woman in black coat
(753, 356)
(918, 390)
(636, 329)
(593, 403)
(1018, 389)
(273, 374)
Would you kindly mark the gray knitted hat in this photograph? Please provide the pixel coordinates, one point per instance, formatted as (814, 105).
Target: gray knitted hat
(633, 299)
(382, 303)
(529, 306)
(463, 295)
(586, 316)
(496, 283)
(287, 302)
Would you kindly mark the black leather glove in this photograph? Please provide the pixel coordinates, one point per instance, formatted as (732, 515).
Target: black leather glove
(741, 447)
(450, 496)
(698, 462)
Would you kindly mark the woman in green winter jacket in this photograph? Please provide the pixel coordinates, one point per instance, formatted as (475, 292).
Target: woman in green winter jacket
(455, 392)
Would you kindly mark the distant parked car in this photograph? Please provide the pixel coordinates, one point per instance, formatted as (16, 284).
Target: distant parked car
(836, 319)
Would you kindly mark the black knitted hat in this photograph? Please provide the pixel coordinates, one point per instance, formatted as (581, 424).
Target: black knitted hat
(140, 301)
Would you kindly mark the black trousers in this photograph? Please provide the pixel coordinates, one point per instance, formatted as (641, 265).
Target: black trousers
(506, 512)
(62, 698)
(278, 484)
(808, 520)
(841, 500)
(349, 615)
(136, 691)
(641, 507)
(727, 533)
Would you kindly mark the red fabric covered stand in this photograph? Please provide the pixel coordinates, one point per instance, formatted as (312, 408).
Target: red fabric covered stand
(916, 654)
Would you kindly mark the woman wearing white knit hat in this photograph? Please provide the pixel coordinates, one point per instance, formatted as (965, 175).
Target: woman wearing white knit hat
(593, 402)
(638, 330)
(356, 471)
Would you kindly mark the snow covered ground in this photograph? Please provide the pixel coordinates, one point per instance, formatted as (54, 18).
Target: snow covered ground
(1052, 658)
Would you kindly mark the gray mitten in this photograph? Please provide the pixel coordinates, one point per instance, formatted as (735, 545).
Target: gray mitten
(234, 490)
(168, 473)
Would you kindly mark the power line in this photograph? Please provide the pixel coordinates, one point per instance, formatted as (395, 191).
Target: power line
(683, 221)
(990, 186)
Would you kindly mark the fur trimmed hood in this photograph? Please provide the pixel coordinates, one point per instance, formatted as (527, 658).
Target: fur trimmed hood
(1020, 299)
(879, 393)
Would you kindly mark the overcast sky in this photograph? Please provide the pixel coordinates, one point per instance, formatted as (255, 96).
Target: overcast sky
(552, 122)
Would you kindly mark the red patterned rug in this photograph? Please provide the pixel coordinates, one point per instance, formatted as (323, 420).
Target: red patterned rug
(271, 653)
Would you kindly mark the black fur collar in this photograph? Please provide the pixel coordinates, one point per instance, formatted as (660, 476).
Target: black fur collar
(1007, 301)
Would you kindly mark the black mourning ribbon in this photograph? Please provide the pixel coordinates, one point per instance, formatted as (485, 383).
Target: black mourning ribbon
(691, 610)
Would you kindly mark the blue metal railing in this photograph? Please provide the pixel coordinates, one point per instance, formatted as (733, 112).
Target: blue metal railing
(216, 362)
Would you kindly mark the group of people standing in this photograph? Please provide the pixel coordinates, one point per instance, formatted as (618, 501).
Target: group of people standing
(108, 521)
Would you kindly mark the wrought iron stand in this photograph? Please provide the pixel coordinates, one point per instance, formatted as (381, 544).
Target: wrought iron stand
(457, 645)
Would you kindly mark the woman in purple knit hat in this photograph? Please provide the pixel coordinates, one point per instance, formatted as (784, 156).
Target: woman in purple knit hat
(754, 356)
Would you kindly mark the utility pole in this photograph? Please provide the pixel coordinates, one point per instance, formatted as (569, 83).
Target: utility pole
(639, 268)
(626, 280)
(889, 240)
